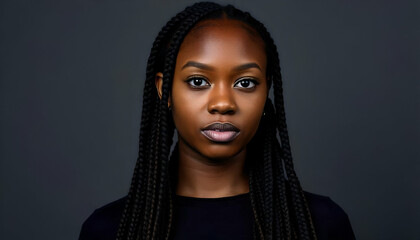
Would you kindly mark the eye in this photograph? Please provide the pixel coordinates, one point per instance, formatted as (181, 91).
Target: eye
(197, 82)
(246, 83)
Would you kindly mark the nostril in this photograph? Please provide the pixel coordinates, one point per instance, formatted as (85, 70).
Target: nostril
(221, 101)
(222, 109)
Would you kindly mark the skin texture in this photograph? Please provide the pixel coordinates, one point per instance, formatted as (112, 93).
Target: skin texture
(220, 76)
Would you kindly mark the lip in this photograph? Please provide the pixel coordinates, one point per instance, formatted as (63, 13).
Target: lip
(220, 132)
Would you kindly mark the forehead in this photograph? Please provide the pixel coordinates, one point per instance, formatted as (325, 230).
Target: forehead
(223, 23)
(223, 37)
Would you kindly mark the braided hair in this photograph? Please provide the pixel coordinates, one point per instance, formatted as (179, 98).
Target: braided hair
(277, 199)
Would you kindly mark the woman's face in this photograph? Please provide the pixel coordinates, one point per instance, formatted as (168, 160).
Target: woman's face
(219, 88)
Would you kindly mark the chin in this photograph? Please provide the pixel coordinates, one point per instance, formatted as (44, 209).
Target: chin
(221, 153)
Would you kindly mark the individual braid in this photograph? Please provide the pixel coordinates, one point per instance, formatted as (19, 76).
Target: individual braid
(282, 219)
(281, 194)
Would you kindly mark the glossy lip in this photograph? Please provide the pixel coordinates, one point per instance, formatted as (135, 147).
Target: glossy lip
(220, 132)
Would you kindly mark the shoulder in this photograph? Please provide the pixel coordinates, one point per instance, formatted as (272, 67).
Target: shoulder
(103, 222)
(329, 219)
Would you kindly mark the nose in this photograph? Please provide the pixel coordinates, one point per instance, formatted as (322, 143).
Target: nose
(221, 100)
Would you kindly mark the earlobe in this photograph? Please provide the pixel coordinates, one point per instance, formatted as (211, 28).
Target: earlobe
(159, 83)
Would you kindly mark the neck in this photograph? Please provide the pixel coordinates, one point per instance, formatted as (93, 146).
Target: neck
(202, 177)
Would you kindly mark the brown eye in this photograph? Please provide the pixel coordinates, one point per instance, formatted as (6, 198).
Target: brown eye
(245, 83)
(197, 82)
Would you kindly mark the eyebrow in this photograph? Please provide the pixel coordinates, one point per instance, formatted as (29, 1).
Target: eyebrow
(197, 65)
(207, 67)
(247, 66)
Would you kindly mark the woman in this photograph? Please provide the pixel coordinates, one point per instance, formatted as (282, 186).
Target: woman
(229, 177)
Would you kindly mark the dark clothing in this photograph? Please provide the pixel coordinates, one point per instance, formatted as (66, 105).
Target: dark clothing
(219, 218)
(214, 218)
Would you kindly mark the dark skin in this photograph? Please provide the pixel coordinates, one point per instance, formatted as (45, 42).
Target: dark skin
(220, 76)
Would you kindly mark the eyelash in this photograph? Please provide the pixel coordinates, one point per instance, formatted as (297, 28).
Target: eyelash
(192, 78)
(251, 81)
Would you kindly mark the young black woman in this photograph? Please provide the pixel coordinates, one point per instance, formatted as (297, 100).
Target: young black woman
(230, 176)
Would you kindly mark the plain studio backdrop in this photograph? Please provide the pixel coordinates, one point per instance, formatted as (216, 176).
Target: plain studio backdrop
(72, 77)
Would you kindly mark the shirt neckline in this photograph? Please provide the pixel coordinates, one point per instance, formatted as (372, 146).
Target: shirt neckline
(199, 199)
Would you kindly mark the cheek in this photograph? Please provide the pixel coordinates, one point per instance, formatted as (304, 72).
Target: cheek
(185, 108)
(252, 111)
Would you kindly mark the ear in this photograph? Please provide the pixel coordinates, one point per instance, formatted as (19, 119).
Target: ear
(159, 83)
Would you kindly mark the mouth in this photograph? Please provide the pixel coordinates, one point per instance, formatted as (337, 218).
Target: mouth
(220, 132)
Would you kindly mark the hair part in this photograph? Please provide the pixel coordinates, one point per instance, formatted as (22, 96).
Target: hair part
(277, 199)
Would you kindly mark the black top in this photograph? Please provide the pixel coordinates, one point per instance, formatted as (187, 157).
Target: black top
(219, 218)
(213, 218)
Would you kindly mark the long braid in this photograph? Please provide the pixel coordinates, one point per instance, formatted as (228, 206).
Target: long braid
(148, 215)
(270, 163)
(281, 202)
(268, 185)
(173, 165)
(282, 226)
(148, 212)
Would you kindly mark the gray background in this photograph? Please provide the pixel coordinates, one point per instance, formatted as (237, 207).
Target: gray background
(71, 83)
